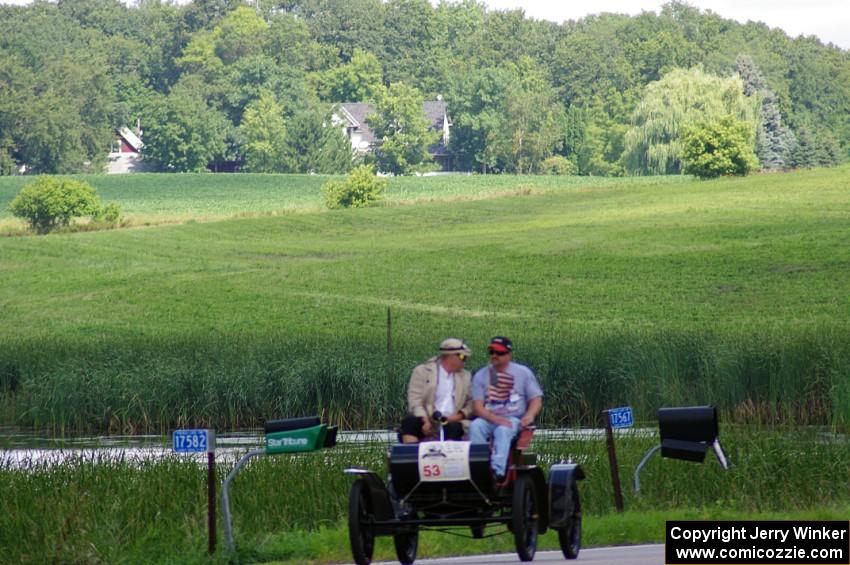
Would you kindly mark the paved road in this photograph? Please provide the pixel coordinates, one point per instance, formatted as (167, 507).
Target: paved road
(631, 555)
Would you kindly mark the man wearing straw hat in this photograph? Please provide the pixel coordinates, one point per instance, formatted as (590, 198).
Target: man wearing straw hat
(440, 384)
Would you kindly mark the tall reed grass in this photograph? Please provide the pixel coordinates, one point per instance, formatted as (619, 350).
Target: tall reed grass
(119, 510)
(127, 385)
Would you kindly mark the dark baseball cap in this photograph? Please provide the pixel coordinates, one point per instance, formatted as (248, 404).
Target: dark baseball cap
(501, 344)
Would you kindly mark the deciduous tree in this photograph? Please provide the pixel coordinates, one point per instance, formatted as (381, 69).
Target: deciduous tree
(263, 134)
(183, 133)
(682, 97)
(401, 129)
(722, 146)
(359, 80)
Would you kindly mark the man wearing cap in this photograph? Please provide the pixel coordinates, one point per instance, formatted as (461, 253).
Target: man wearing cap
(506, 397)
(440, 384)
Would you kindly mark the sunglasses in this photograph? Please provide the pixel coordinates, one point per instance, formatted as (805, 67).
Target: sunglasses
(499, 353)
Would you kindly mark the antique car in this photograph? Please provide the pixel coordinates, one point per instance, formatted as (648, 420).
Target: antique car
(448, 486)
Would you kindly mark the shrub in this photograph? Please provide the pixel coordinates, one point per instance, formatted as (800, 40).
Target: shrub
(110, 214)
(557, 165)
(719, 147)
(361, 188)
(49, 202)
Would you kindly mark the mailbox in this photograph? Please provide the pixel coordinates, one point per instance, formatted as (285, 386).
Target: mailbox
(687, 432)
(289, 424)
(294, 435)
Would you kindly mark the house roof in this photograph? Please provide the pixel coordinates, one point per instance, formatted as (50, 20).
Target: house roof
(356, 113)
(131, 138)
(436, 111)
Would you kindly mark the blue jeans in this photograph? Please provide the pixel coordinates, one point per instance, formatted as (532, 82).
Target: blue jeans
(480, 431)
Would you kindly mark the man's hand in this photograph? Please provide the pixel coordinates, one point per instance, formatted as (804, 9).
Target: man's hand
(502, 421)
(534, 406)
(427, 428)
(456, 417)
(482, 412)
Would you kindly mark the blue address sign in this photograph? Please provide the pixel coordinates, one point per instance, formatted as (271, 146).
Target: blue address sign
(194, 441)
(621, 417)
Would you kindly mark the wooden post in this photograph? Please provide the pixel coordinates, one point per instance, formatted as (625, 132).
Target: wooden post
(612, 459)
(211, 500)
(389, 331)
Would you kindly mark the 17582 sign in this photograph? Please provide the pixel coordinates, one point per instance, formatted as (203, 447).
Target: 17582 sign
(193, 441)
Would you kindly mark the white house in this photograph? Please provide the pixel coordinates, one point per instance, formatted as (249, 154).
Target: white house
(352, 117)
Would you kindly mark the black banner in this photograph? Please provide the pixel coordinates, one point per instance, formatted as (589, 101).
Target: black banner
(757, 543)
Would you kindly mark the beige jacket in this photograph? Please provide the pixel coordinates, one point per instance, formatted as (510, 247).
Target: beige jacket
(422, 390)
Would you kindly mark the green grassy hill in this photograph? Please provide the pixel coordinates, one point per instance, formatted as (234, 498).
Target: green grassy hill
(645, 291)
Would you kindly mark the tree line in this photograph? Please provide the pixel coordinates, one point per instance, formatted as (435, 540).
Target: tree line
(254, 84)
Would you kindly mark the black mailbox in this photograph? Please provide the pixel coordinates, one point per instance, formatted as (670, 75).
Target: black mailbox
(687, 432)
(290, 424)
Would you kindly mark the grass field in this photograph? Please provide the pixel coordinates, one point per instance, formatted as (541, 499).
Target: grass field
(101, 510)
(642, 291)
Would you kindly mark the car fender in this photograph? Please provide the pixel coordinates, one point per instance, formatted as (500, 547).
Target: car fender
(381, 504)
(563, 493)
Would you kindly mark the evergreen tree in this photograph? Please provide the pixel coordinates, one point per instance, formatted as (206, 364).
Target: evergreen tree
(317, 146)
(814, 149)
(773, 139)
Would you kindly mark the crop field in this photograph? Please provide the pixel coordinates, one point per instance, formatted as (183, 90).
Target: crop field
(649, 292)
(156, 198)
(100, 510)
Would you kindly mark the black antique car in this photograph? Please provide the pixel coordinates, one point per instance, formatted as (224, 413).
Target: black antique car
(448, 485)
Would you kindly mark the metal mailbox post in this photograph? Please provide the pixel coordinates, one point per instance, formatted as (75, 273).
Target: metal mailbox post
(292, 435)
(687, 433)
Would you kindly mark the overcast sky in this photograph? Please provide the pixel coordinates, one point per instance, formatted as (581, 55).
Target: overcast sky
(829, 20)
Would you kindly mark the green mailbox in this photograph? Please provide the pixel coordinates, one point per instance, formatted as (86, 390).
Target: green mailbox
(298, 435)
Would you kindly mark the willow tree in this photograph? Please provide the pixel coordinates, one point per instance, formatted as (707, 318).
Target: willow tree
(679, 99)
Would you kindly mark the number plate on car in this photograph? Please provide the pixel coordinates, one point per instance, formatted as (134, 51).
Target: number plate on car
(444, 461)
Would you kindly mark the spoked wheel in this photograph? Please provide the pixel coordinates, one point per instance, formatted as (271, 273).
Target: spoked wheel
(360, 516)
(405, 547)
(570, 537)
(524, 517)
